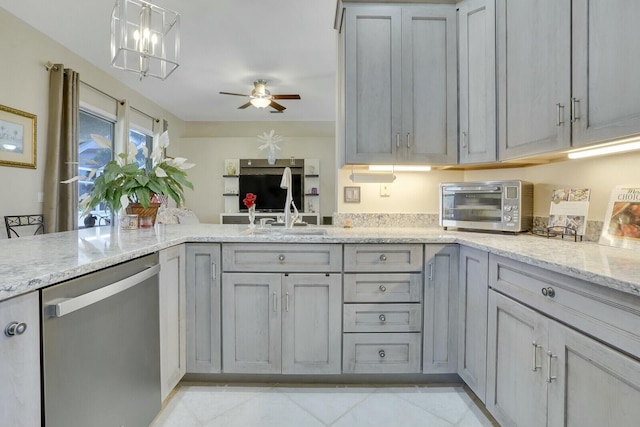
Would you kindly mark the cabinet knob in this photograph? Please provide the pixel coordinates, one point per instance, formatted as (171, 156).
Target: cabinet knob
(549, 292)
(381, 353)
(382, 288)
(383, 257)
(281, 257)
(15, 328)
(382, 318)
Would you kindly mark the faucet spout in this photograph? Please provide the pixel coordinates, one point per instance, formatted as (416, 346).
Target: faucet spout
(287, 183)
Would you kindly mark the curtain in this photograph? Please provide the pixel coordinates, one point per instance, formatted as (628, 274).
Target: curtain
(121, 137)
(61, 200)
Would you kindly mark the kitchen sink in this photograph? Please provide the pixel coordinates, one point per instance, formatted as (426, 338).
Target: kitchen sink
(288, 231)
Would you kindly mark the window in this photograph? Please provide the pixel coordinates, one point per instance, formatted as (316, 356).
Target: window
(141, 139)
(90, 157)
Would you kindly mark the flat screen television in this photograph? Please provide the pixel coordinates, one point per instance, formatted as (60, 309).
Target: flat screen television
(270, 197)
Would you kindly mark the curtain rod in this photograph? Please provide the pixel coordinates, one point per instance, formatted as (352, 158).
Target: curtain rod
(49, 66)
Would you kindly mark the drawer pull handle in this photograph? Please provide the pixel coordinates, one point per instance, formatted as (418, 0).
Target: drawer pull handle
(382, 318)
(549, 292)
(534, 365)
(382, 288)
(381, 353)
(15, 328)
(383, 257)
(281, 257)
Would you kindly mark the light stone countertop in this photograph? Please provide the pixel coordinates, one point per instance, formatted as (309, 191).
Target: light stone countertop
(31, 263)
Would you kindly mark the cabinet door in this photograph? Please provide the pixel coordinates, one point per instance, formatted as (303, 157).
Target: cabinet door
(311, 327)
(516, 363)
(440, 309)
(20, 363)
(173, 322)
(534, 71)
(251, 334)
(594, 385)
(203, 308)
(606, 57)
(429, 84)
(372, 83)
(477, 86)
(472, 318)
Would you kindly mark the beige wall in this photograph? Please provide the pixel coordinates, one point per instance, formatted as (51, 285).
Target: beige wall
(24, 85)
(239, 140)
(417, 192)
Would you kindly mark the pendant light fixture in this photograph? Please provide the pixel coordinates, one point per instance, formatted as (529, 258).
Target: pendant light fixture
(145, 39)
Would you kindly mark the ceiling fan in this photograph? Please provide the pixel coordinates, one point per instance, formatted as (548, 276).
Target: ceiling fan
(262, 98)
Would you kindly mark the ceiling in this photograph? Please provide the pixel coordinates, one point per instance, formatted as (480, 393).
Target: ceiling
(225, 46)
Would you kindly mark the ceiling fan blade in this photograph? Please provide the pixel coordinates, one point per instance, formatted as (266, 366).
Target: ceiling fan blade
(230, 93)
(243, 106)
(277, 106)
(285, 96)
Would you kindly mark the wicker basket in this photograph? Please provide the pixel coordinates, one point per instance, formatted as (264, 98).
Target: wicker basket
(138, 209)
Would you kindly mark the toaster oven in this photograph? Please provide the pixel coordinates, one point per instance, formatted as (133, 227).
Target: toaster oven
(487, 205)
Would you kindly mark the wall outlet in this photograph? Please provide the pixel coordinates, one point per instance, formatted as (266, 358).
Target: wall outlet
(40, 197)
(385, 190)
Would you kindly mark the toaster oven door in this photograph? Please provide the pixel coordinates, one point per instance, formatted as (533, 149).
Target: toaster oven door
(467, 206)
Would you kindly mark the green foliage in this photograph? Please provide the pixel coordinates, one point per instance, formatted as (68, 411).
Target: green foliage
(137, 185)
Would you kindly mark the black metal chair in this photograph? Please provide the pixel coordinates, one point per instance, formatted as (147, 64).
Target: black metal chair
(34, 222)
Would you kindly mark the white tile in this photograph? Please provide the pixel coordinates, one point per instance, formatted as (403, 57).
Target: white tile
(449, 403)
(386, 410)
(326, 403)
(176, 415)
(209, 401)
(266, 410)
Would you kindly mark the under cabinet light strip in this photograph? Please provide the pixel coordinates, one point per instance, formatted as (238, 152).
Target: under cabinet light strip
(633, 144)
(399, 168)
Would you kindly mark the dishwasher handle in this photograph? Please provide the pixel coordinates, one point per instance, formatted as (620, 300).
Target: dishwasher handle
(63, 306)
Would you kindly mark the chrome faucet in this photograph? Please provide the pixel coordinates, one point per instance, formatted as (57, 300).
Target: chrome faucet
(287, 183)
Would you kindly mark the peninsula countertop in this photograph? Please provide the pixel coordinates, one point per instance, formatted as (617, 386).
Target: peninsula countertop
(31, 263)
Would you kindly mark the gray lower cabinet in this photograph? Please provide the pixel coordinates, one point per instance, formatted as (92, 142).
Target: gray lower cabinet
(440, 309)
(173, 322)
(569, 357)
(203, 308)
(541, 372)
(20, 361)
(281, 323)
(472, 318)
(382, 311)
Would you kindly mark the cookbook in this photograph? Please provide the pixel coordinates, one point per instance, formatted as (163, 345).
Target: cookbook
(621, 226)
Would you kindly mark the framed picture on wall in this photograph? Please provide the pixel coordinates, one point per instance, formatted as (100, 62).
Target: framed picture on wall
(17, 138)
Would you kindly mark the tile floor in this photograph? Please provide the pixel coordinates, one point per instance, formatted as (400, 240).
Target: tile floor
(320, 406)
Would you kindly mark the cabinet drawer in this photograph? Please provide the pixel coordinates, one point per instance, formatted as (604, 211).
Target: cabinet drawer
(391, 287)
(382, 317)
(282, 258)
(381, 353)
(604, 313)
(382, 258)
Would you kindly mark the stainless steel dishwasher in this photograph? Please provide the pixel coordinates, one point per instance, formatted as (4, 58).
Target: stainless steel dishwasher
(101, 348)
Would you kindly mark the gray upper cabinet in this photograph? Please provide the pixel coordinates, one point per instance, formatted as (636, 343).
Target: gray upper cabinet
(534, 71)
(477, 81)
(606, 57)
(400, 84)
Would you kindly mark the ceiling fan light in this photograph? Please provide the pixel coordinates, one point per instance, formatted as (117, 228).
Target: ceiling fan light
(260, 102)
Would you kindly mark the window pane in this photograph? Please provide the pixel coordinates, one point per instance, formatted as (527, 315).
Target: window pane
(140, 140)
(92, 157)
